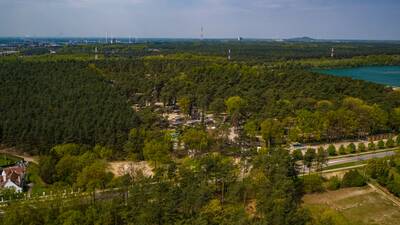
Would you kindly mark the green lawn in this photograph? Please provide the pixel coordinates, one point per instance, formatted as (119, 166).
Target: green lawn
(354, 206)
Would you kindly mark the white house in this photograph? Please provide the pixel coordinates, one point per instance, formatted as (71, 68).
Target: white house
(13, 177)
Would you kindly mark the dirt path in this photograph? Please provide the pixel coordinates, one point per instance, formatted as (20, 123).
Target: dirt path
(377, 188)
(20, 154)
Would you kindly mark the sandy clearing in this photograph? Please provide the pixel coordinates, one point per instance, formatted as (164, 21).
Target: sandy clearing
(120, 168)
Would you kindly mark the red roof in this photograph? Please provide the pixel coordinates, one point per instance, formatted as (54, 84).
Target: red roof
(14, 173)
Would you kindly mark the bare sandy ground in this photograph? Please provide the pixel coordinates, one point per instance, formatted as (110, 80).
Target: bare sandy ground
(120, 168)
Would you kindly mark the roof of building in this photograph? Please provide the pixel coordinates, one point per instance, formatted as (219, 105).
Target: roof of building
(14, 173)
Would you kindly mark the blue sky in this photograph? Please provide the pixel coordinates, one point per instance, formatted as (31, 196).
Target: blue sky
(336, 19)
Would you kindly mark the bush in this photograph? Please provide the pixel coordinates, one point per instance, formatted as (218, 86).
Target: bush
(398, 140)
(342, 150)
(297, 155)
(390, 143)
(333, 183)
(361, 147)
(331, 150)
(351, 148)
(353, 179)
(371, 146)
(313, 183)
(381, 144)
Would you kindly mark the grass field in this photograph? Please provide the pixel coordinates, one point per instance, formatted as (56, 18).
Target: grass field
(354, 206)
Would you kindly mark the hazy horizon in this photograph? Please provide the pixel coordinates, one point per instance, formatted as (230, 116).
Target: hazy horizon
(198, 38)
(257, 19)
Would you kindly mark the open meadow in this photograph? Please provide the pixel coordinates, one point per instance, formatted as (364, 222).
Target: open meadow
(354, 206)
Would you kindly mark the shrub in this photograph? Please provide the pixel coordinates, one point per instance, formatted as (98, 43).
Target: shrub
(333, 183)
(342, 150)
(398, 140)
(381, 144)
(393, 184)
(351, 148)
(353, 179)
(361, 147)
(371, 146)
(297, 155)
(313, 183)
(390, 143)
(331, 150)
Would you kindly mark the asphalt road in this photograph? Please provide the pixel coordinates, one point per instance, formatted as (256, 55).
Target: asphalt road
(360, 158)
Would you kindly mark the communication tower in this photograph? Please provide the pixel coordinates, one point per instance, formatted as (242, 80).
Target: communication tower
(96, 57)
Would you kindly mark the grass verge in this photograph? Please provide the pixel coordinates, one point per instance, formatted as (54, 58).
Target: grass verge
(344, 165)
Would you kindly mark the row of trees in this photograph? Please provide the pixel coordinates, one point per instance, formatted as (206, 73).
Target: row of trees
(362, 147)
(350, 149)
(315, 183)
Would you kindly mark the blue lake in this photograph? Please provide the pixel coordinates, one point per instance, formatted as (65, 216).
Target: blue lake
(388, 75)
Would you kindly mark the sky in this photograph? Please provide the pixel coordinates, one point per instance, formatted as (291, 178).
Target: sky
(325, 19)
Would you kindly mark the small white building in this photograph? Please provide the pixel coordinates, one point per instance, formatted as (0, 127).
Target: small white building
(13, 177)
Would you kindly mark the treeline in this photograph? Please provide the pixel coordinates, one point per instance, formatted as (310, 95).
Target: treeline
(47, 103)
(208, 189)
(386, 172)
(261, 51)
(255, 51)
(315, 183)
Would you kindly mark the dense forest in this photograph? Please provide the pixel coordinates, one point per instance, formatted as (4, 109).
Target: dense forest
(317, 107)
(47, 103)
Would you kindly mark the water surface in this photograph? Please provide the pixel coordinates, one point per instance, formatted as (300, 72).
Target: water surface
(388, 75)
